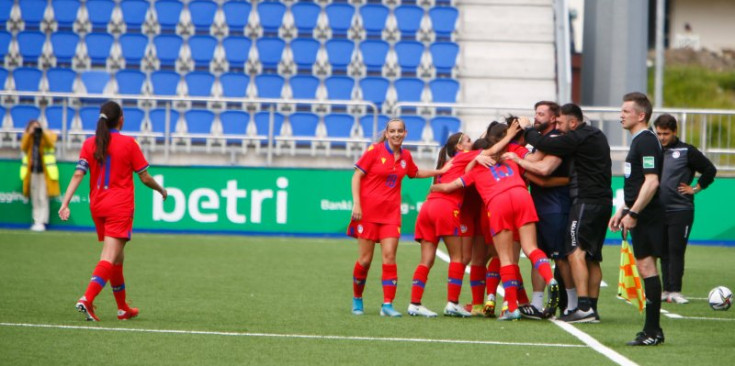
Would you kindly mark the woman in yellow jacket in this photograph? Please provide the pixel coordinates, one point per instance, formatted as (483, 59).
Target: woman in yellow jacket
(39, 172)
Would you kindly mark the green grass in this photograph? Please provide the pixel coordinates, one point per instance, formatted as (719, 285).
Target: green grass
(302, 286)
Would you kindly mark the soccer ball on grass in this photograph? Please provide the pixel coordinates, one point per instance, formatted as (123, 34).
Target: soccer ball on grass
(720, 298)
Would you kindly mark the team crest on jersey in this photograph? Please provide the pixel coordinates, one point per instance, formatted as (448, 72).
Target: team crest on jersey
(649, 162)
(403, 164)
(359, 228)
(463, 228)
(456, 213)
(675, 154)
(382, 160)
(371, 147)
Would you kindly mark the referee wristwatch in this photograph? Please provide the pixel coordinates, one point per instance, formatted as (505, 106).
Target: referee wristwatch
(633, 214)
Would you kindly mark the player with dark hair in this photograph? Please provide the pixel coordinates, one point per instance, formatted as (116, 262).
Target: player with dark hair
(376, 211)
(643, 215)
(111, 159)
(681, 162)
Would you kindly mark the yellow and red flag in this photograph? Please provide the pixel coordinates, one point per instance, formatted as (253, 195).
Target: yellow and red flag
(629, 282)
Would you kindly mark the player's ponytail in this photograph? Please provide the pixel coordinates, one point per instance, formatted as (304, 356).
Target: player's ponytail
(110, 114)
(496, 134)
(448, 150)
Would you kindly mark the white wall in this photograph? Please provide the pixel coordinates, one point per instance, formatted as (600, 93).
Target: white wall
(713, 21)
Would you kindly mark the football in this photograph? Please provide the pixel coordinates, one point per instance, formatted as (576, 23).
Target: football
(720, 298)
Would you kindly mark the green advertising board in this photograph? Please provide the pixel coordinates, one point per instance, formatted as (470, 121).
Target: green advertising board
(279, 201)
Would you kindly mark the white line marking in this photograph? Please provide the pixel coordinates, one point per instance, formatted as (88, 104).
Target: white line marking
(301, 336)
(705, 318)
(594, 344)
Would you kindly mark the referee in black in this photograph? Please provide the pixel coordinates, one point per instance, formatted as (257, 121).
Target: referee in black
(643, 214)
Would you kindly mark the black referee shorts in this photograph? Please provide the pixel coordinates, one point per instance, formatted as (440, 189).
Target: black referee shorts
(587, 229)
(648, 237)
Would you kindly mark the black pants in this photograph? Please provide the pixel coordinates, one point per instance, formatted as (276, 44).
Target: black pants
(678, 227)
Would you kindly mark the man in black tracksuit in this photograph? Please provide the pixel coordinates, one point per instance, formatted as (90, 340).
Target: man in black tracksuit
(590, 190)
(681, 162)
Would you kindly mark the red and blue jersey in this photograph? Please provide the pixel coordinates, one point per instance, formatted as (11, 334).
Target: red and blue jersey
(111, 189)
(519, 150)
(494, 180)
(459, 163)
(380, 188)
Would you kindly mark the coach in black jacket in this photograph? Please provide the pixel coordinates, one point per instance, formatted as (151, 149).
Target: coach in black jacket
(681, 162)
(591, 194)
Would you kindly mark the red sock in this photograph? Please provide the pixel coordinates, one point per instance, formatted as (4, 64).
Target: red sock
(390, 281)
(477, 284)
(454, 282)
(541, 263)
(493, 276)
(510, 283)
(359, 274)
(117, 281)
(100, 276)
(521, 292)
(419, 281)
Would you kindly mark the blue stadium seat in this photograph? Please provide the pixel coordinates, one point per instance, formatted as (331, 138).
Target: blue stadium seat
(31, 46)
(373, 19)
(236, 15)
(89, 116)
(444, 126)
(199, 121)
(100, 12)
(95, 81)
(202, 50)
(55, 118)
(262, 120)
(168, 12)
(22, 114)
(409, 55)
(65, 46)
(98, 47)
(304, 86)
(339, 125)
(305, 16)
(164, 82)
(61, 80)
(444, 56)
(202, 15)
(271, 16)
(157, 118)
(133, 119)
(367, 125)
(269, 86)
(168, 47)
(304, 52)
(5, 7)
(339, 52)
(340, 18)
(339, 87)
(373, 54)
(374, 89)
(270, 51)
(303, 124)
(409, 19)
(3, 77)
(5, 38)
(444, 90)
(415, 127)
(199, 83)
(27, 79)
(31, 11)
(409, 89)
(130, 82)
(443, 21)
(237, 49)
(134, 13)
(133, 48)
(65, 13)
(234, 122)
(234, 85)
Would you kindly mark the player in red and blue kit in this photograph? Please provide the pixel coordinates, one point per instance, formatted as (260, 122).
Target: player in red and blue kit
(111, 159)
(504, 192)
(376, 212)
(440, 218)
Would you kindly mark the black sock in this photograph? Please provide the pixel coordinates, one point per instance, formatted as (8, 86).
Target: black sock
(593, 302)
(653, 304)
(584, 303)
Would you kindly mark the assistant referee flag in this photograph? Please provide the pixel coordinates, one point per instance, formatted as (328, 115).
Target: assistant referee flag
(629, 282)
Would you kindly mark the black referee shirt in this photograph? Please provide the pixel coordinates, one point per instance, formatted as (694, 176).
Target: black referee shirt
(644, 157)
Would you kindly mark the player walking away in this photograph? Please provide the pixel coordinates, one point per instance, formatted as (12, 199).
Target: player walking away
(511, 209)
(681, 162)
(440, 218)
(111, 159)
(376, 211)
(643, 214)
(590, 190)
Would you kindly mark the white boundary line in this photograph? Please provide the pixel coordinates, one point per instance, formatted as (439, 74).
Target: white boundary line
(301, 336)
(677, 316)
